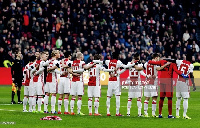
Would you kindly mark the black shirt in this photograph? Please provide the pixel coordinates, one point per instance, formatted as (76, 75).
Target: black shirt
(17, 70)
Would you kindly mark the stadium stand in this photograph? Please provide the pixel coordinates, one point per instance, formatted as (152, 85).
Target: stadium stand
(170, 28)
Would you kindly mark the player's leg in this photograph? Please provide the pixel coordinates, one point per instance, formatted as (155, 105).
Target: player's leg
(154, 99)
(25, 100)
(109, 95)
(66, 103)
(139, 99)
(178, 95)
(90, 96)
(66, 95)
(46, 98)
(40, 93)
(147, 95)
(34, 96)
(117, 90)
(73, 94)
(185, 95)
(97, 94)
(146, 102)
(30, 94)
(19, 85)
(53, 91)
(129, 106)
(131, 95)
(80, 91)
(61, 93)
(154, 95)
(162, 97)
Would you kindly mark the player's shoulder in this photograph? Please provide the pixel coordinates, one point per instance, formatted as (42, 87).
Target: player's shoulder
(107, 62)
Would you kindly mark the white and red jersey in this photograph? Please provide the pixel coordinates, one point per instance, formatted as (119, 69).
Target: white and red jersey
(52, 75)
(76, 65)
(185, 67)
(151, 70)
(113, 64)
(65, 61)
(37, 64)
(94, 74)
(134, 75)
(27, 74)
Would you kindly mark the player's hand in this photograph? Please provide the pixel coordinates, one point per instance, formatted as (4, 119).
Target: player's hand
(149, 76)
(194, 88)
(57, 65)
(13, 79)
(168, 63)
(184, 76)
(64, 73)
(154, 77)
(76, 74)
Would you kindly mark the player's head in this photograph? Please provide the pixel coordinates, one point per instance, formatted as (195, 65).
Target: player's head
(44, 56)
(32, 58)
(189, 57)
(136, 56)
(79, 56)
(18, 54)
(55, 53)
(37, 54)
(156, 57)
(68, 54)
(47, 53)
(97, 57)
(115, 55)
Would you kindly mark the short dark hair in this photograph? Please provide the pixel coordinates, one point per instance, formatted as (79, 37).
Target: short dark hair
(115, 55)
(155, 55)
(32, 58)
(97, 57)
(136, 56)
(67, 53)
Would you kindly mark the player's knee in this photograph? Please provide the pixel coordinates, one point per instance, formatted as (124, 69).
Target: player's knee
(169, 98)
(162, 98)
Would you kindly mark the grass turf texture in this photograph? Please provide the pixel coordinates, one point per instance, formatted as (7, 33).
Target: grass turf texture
(13, 113)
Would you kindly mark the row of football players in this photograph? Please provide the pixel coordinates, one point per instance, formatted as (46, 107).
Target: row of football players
(35, 74)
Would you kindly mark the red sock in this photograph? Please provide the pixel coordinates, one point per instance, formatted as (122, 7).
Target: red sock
(161, 105)
(170, 106)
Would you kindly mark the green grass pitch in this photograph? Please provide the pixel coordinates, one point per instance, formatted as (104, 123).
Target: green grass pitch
(13, 113)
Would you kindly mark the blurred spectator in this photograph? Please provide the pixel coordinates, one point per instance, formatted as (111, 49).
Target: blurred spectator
(170, 28)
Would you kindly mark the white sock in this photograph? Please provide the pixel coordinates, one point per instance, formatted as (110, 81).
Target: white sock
(34, 103)
(66, 103)
(146, 107)
(185, 106)
(25, 103)
(30, 103)
(153, 107)
(178, 104)
(79, 103)
(129, 106)
(108, 104)
(59, 104)
(39, 102)
(72, 104)
(96, 105)
(139, 105)
(46, 100)
(53, 103)
(117, 104)
(90, 105)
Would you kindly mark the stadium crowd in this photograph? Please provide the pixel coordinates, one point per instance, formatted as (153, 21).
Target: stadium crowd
(170, 28)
